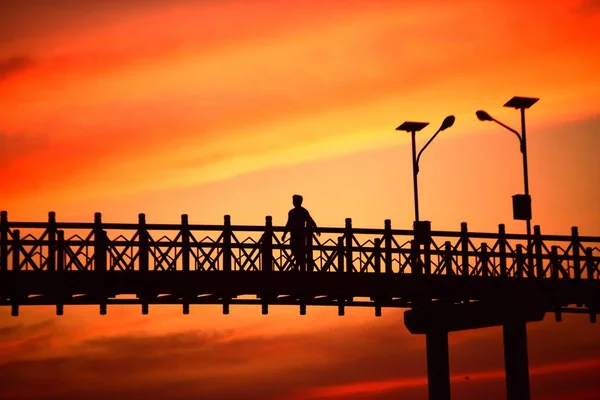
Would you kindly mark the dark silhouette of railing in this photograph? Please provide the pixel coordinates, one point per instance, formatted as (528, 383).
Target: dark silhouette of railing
(51, 263)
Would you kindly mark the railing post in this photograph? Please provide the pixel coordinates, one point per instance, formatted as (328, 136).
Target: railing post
(144, 249)
(554, 262)
(427, 255)
(575, 244)
(185, 256)
(185, 243)
(377, 256)
(502, 249)
(308, 250)
(519, 261)
(340, 254)
(349, 236)
(267, 246)
(554, 271)
(464, 246)
(227, 253)
(589, 261)
(589, 265)
(415, 265)
(16, 250)
(448, 258)
(60, 252)
(100, 244)
(388, 246)
(539, 261)
(51, 263)
(3, 241)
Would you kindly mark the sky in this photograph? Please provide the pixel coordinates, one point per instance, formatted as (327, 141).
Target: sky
(228, 108)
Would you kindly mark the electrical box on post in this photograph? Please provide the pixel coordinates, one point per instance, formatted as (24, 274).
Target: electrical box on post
(522, 207)
(422, 231)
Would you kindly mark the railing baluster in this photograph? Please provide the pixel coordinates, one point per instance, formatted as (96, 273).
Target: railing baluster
(144, 247)
(483, 259)
(377, 256)
(51, 262)
(554, 272)
(415, 261)
(502, 249)
(448, 258)
(60, 251)
(349, 236)
(227, 252)
(539, 261)
(185, 244)
(427, 255)
(388, 246)
(519, 261)
(464, 245)
(16, 250)
(3, 241)
(589, 263)
(340, 254)
(100, 244)
(267, 246)
(554, 262)
(591, 269)
(575, 244)
(308, 251)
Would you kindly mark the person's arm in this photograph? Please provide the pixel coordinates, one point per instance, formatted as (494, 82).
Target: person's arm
(287, 226)
(313, 224)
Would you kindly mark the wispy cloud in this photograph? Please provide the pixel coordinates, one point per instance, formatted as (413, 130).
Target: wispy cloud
(589, 7)
(367, 361)
(13, 65)
(15, 145)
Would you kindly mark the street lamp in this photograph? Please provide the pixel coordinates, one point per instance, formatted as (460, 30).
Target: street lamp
(521, 203)
(413, 128)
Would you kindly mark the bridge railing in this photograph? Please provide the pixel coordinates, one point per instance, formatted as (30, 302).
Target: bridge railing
(101, 246)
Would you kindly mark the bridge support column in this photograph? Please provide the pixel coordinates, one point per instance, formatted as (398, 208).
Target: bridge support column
(516, 362)
(438, 365)
(435, 321)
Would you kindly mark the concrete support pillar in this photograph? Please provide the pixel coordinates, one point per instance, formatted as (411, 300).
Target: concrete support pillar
(516, 362)
(438, 365)
(436, 321)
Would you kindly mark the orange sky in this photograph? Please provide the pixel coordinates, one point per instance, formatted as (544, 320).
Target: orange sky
(230, 107)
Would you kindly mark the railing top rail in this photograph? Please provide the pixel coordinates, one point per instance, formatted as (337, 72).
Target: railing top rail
(261, 228)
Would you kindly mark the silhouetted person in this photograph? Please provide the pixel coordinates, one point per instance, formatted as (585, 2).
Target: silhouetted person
(299, 220)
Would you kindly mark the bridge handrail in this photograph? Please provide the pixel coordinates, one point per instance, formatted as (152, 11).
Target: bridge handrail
(261, 228)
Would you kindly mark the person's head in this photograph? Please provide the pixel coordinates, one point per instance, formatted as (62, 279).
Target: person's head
(297, 200)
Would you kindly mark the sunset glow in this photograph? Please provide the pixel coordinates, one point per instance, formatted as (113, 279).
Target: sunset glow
(231, 107)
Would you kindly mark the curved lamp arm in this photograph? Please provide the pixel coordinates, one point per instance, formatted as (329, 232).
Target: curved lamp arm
(483, 116)
(447, 123)
(512, 130)
(424, 147)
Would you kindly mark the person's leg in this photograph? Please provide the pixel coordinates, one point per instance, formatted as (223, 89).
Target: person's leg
(297, 244)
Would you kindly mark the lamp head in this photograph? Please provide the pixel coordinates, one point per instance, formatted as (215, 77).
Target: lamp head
(412, 126)
(448, 122)
(483, 116)
(519, 102)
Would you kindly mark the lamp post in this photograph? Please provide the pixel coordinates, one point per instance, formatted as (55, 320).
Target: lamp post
(514, 329)
(521, 203)
(413, 128)
(438, 366)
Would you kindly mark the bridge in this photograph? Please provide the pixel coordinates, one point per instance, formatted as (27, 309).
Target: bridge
(448, 280)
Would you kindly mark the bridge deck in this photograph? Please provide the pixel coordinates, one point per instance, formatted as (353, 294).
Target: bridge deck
(98, 263)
